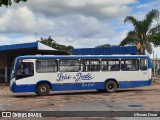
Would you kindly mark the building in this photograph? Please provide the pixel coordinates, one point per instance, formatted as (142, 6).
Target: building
(156, 65)
(132, 50)
(9, 52)
(114, 50)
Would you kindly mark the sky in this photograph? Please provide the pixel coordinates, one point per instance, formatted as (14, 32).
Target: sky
(80, 23)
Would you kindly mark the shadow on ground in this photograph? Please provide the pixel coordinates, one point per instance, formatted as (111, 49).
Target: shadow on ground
(77, 93)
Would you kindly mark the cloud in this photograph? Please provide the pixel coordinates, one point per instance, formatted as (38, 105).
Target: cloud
(16, 20)
(94, 8)
(24, 21)
(81, 26)
(5, 40)
(81, 42)
(80, 23)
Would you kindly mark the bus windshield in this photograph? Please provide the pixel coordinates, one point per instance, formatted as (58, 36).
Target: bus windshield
(24, 69)
(12, 70)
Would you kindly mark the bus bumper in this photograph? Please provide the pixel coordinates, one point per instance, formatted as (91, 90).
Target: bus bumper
(22, 88)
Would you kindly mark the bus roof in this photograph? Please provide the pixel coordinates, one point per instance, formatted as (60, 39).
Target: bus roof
(80, 56)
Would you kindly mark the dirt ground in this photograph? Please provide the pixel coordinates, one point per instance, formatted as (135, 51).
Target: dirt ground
(135, 99)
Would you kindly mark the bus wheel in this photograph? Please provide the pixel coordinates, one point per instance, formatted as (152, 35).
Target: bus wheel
(43, 89)
(111, 86)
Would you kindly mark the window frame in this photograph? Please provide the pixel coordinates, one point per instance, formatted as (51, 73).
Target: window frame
(106, 59)
(21, 76)
(47, 71)
(140, 64)
(90, 64)
(68, 65)
(129, 64)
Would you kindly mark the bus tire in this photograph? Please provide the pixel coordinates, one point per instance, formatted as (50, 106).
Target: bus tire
(110, 86)
(43, 89)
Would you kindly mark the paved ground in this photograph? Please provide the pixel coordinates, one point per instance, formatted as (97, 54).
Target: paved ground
(137, 99)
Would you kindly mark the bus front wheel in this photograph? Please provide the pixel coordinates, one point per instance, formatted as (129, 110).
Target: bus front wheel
(43, 89)
(111, 86)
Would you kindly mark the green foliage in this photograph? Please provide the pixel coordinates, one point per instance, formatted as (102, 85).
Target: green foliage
(155, 39)
(104, 46)
(131, 39)
(140, 34)
(50, 42)
(155, 30)
(9, 2)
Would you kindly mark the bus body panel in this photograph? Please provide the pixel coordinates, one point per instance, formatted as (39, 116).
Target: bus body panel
(82, 80)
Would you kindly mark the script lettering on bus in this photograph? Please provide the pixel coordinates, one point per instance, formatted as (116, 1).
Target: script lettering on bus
(80, 76)
(62, 77)
(77, 77)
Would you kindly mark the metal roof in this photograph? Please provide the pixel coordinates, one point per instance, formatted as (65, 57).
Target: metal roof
(121, 50)
(36, 45)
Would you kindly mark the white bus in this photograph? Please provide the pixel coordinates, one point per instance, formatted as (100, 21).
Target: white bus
(42, 74)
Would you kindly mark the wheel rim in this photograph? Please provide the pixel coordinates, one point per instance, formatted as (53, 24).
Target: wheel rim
(43, 89)
(110, 87)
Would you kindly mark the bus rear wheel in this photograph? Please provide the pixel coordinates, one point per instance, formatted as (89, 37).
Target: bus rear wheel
(43, 89)
(111, 86)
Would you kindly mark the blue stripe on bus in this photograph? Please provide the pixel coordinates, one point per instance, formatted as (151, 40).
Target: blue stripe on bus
(132, 84)
(80, 86)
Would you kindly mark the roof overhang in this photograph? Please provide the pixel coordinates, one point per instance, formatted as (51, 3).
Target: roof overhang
(44, 47)
(35, 45)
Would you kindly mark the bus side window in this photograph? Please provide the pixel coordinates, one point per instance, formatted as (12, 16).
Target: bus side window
(69, 65)
(46, 65)
(110, 65)
(90, 65)
(129, 64)
(143, 64)
(85, 65)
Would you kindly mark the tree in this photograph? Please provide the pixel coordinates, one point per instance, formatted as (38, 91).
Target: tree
(104, 46)
(140, 34)
(154, 35)
(9, 2)
(50, 42)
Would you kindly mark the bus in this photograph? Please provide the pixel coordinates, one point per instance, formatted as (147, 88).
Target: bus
(42, 74)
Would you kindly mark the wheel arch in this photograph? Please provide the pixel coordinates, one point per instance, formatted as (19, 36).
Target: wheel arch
(44, 81)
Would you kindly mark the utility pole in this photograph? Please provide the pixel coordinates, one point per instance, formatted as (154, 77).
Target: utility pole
(36, 36)
(156, 64)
